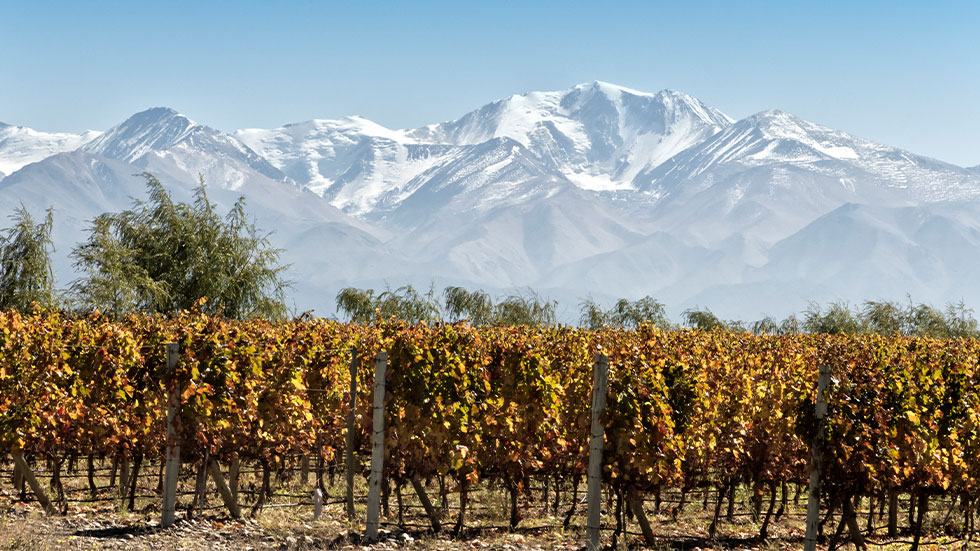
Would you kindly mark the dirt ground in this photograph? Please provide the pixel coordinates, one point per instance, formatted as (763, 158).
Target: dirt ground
(288, 527)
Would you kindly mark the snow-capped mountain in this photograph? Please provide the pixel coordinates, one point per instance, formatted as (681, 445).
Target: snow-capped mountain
(598, 136)
(103, 176)
(770, 174)
(355, 163)
(593, 190)
(20, 146)
(776, 138)
(163, 140)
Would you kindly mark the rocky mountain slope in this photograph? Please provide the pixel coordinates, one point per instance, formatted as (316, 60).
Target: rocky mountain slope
(595, 190)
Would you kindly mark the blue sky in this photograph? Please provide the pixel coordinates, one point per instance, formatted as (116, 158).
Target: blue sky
(902, 73)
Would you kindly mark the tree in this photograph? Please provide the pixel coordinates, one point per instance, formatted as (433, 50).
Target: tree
(884, 318)
(625, 314)
(706, 320)
(593, 316)
(405, 303)
(960, 321)
(475, 307)
(357, 304)
(163, 256)
(26, 277)
(838, 318)
(766, 326)
(410, 305)
(525, 309)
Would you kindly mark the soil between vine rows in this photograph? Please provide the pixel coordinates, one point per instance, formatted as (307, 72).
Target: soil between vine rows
(24, 528)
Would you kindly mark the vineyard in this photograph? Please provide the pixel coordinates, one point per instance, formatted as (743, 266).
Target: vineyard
(701, 417)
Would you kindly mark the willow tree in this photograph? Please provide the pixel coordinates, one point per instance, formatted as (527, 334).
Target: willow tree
(405, 303)
(164, 256)
(476, 307)
(625, 314)
(26, 277)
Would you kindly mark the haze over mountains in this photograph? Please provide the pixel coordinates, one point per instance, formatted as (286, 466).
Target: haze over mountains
(596, 190)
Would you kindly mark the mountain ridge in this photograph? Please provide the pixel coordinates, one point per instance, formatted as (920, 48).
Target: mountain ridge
(596, 189)
(21, 146)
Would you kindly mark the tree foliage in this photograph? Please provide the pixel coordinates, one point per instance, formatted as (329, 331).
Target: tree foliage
(26, 277)
(406, 303)
(624, 314)
(164, 256)
(705, 320)
(891, 318)
(474, 306)
(527, 308)
(365, 306)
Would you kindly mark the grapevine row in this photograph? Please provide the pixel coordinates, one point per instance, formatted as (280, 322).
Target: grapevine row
(685, 409)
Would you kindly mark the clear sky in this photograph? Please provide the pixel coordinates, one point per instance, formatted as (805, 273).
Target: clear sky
(902, 73)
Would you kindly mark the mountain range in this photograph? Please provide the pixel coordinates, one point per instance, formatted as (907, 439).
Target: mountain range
(597, 190)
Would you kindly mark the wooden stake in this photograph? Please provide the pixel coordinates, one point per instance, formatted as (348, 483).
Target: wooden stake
(600, 374)
(172, 471)
(816, 463)
(377, 449)
(317, 504)
(351, 427)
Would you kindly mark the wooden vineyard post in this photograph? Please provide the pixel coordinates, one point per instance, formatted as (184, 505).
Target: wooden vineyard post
(600, 374)
(317, 504)
(172, 471)
(816, 462)
(377, 449)
(25, 469)
(351, 426)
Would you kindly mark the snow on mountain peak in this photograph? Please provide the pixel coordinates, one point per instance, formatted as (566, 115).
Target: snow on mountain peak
(598, 135)
(774, 152)
(20, 146)
(777, 136)
(156, 129)
(356, 124)
(613, 92)
(516, 190)
(163, 140)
